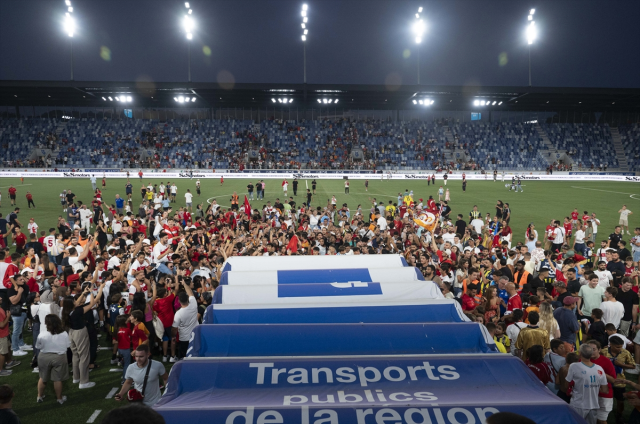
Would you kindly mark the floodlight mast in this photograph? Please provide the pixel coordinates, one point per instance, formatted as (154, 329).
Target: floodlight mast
(531, 36)
(305, 32)
(418, 31)
(188, 27)
(69, 28)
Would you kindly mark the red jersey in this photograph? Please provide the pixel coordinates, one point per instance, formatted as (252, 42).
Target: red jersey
(164, 308)
(124, 337)
(585, 218)
(139, 335)
(567, 229)
(574, 216)
(542, 371)
(171, 231)
(515, 302)
(549, 231)
(20, 240)
(609, 370)
(9, 272)
(29, 196)
(12, 191)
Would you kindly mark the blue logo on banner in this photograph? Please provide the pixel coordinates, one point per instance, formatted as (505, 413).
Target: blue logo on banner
(354, 288)
(324, 276)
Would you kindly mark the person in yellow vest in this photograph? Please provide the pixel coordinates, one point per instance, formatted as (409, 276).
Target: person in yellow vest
(234, 201)
(521, 277)
(492, 329)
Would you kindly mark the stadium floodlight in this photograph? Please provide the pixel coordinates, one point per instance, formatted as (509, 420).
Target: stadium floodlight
(273, 100)
(324, 101)
(415, 102)
(188, 25)
(530, 17)
(128, 98)
(110, 99)
(67, 2)
(532, 11)
(186, 4)
(418, 29)
(117, 98)
(181, 99)
(193, 99)
(279, 100)
(531, 33)
(476, 102)
(303, 37)
(319, 101)
(433, 101)
(499, 103)
(336, 101)
(420, 101)
(69, 25)
(291, 101)
(190, 11)
(175, 99)
(482, 102)
(102, 99)
(493, 104)
(330, 101)
(70, 9)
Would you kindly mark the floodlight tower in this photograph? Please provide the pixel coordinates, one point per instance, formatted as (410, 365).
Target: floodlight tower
(69, 28)
(418, 30)
(532, 32)
(187, 22)
(305, 32)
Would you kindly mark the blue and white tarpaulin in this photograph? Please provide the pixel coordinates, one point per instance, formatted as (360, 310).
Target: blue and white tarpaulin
(436, 389)
(326, 293)
(381, 275)
(281, 263)
(418, 310)
(225, 340)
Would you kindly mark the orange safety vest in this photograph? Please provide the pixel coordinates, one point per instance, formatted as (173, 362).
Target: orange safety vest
(234, 199)
(464, 284)
(521, 280)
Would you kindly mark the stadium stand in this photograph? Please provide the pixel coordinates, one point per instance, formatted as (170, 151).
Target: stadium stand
(386, 145)
(630, 136)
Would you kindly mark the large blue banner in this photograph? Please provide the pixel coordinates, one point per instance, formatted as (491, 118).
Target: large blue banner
(425, 310)
(436, 389)
(224, 340)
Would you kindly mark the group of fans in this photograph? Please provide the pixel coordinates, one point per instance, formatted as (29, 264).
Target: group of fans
(143, 280)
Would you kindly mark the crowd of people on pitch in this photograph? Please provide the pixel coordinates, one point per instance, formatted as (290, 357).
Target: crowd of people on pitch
(141, 280)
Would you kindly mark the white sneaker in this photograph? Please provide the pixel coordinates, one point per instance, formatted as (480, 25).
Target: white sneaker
(114, 361)
(19, 353)
(165, 358)
(63, 400)
(40, 399)
(87, 385)
(76, 381)
(173, 359)
(36, 370)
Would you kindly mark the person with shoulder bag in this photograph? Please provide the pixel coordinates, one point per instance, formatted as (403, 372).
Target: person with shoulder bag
(142, 382)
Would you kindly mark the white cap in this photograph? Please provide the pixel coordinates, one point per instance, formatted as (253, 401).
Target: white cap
(129, 242)
(111, 248)
(146, 241)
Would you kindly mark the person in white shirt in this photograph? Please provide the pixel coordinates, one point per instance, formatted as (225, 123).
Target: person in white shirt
(605, 278)
(52, 345)
(612, 310)
(188, 197)
(477, 225)
(85, 218)
(578, 241)
(137, 266)
(185, 320)
(595, 222)
(590, 380)
(449, 236)
(624, 218)
(174, 192)
(214, 206)
(382, 222)
(32, 227)
(161, 253)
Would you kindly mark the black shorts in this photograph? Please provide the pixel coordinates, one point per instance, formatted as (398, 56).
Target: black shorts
(12, 196)
(198, 190)
(234, 207)
(182, 349)
(618, 393)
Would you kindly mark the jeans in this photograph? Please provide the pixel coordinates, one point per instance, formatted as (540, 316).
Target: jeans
(164, 269)
(126, 355)
(579, 248)
(36, 333)
(593, 237)
(636, 256)
(18, 326)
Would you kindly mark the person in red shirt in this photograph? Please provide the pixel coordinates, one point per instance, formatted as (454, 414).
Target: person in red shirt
(172, 230)
(567, 227)
(549, 233)
(163, 306)
(123, 341)
(535, 362)
(12, 195)
(20, 240)
(515, 302)
(609, 370)
(30, 200)
(10, 271)
(468, 302)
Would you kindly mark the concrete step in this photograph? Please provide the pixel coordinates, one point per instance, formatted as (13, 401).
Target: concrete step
(620, 154)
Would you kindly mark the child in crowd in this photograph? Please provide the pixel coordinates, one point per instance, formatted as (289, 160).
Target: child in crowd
(564, 392)
(597, 330)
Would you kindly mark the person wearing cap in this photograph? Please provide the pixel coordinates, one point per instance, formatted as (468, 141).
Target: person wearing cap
(567, 320)
(538, 281)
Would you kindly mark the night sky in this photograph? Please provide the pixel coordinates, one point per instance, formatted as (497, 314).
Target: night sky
(580, 44)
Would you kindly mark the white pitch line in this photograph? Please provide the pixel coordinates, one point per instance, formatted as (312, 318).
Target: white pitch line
(93, 416)
(111, 393)
(606, 191)
(115, 370)
(16, 186)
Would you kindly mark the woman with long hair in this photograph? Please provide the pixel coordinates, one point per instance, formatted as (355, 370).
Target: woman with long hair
(531, 229)
(547, 321)
(506, 233)
(499, 209)
(48, 268)
(102, 238)
(535, 362)
(73, 311)
(491, 305)
(139, 303)
(52, 360)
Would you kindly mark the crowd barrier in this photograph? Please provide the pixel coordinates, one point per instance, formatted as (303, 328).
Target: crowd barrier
(380, 275)
(418, 175)
(443, 389)
(417, 310)
(326, 294)
(339, 339)
(286, 263)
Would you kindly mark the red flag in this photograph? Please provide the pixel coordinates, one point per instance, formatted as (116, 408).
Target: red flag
(246, 207)
(293, 244)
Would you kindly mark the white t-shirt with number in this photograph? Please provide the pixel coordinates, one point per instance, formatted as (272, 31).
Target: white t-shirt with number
(587, 385)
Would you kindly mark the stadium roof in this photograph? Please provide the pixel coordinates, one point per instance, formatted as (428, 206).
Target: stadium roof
(214, 95)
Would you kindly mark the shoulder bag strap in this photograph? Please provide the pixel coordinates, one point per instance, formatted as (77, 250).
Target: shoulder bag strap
(146, 377)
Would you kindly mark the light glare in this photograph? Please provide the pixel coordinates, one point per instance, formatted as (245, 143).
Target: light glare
(476, 102)
(128, 98)
(306, 31)
(415, 102)
(189, 36)
(190, 11)
(303, 26)
(305, 20)
(67, 2)
(291, 101)
(186, 4)
(336, 100)
(305, 7)
(69, 25)
(531, 32)
(420, 10)
(532, 11)
(181, 99)
(70, 9)
(110, 99)
(303, 13)
(193, 99)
